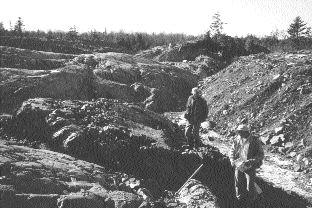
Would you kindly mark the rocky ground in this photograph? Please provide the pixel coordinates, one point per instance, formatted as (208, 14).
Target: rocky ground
(42, 178)
(31, 59)
(116, 137)
(272, 93)
(88, 133)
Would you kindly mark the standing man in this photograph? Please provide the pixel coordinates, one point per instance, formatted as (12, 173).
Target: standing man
(196, 113)
(246, 156)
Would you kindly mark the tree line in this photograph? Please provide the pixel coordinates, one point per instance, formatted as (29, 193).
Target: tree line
(74, 42)
(297, 37)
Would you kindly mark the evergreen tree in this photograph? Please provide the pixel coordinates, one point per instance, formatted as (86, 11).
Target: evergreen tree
(19, 27)
(309, 32)
(2, 29)
(216, 26)
(297, 29)
(72, 34)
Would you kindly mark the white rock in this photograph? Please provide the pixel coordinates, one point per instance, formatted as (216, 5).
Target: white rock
(299, 157)
(292, 154)
(289, 144)
(279, 130)
(305, 161)
(277, 139)
(265, 139)
(205, 125)
(276, 76)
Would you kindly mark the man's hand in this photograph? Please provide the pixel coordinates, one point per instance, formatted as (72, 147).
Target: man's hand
(232, 163)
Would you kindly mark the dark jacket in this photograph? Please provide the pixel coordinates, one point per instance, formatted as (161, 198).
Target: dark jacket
(196, 109)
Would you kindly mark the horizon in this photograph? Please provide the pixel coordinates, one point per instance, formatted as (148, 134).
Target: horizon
(242, 18)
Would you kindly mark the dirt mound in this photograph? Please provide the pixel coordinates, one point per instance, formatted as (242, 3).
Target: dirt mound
(30, 59)
(270, 92)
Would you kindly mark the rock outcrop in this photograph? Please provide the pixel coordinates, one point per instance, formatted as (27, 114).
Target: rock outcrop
(108, 132)
(41, 178)
(119, 136)
(31, 59)
(157, 86)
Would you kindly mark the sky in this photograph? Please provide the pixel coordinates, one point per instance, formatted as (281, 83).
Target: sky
(193, 17)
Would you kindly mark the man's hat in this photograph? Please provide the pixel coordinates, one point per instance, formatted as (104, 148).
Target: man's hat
(242, 127)
(195, 90)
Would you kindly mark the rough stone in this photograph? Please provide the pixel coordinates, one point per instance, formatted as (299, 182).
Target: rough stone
(292, 154)
(37, 200)
(80, 200)
(279, 130)
(276, 140)
(125, 199)
(265, 139)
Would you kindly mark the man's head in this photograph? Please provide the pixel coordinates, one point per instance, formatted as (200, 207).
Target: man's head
(195, 91)
(243, 130)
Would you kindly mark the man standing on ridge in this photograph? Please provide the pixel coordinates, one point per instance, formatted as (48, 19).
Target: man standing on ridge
(246, 156)
(196, 113)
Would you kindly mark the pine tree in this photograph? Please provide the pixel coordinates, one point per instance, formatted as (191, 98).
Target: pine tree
(2, 29)
(216, 26)
(19, 27)
(297, 29)
(72, 34)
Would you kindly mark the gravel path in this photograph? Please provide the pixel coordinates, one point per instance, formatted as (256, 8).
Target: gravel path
(271, 171)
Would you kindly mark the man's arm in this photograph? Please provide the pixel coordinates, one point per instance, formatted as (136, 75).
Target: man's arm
(233, 152)
(188, 108)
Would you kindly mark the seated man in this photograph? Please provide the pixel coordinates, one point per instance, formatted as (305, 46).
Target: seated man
(246, 156)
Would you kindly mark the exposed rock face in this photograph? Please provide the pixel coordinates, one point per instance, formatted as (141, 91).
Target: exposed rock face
(32, 60)
(270, 92)
(58, 119)
(41, 178)
(107, 132)
(119, 76)
(144, 81)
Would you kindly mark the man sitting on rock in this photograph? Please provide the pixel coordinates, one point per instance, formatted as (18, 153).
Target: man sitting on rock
(196, 113)
(246, 156)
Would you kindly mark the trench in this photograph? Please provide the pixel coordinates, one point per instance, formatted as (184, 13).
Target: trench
(164, 169)
(167, 170)
(170, 169)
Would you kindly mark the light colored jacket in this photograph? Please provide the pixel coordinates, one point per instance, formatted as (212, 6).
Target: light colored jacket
(246, 150)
